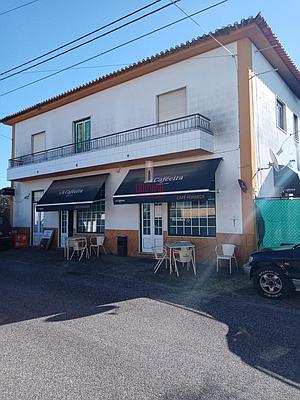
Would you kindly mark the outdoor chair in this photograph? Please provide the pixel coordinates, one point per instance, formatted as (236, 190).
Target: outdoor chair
(80, 247)
(97, 243)
(184, 256)
(68, 245)
(226, 252)
(160, 257)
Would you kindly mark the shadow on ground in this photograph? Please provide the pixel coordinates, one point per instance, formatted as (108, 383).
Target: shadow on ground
(262, 333)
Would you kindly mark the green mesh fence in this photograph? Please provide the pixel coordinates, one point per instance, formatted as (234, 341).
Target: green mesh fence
(278, 222)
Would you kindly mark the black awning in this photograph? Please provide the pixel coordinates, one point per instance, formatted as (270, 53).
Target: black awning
(287, 180)
(179, 182)
(70, 194)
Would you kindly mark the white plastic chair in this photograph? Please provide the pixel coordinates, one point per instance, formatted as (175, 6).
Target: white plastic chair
(97, 242)
(184, 256)
(80, 247)
(226, 252)
(69, 244)
(160, 257)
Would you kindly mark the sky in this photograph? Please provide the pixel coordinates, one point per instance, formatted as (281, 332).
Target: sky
(43, 25)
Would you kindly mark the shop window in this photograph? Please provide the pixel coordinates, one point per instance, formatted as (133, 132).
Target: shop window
(92, 219)
(280, 114)
(193, 218)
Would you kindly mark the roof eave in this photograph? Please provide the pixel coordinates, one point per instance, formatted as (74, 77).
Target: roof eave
(256, 29)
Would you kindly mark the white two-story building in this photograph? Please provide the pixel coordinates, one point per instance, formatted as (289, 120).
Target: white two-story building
(170, 147)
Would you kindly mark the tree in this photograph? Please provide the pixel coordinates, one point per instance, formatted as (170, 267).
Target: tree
(4, 210)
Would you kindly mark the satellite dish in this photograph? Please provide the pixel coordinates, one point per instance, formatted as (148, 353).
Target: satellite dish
(274, 161)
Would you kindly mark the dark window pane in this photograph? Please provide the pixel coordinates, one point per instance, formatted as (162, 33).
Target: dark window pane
(203, 232)
(211, 231)
(195, 231)
(172, 230)
(187, 222)
(188, 231)
(203, 221)
(179, 231)
(211, 221)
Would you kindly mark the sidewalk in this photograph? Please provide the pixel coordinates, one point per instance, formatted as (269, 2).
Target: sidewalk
(138, 271)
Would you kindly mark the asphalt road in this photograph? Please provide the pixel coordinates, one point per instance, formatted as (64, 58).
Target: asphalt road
(112, 335)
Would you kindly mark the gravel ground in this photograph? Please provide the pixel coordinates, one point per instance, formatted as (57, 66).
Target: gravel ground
(109, 329)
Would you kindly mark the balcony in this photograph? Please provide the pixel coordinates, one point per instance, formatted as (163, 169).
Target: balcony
(181, 134)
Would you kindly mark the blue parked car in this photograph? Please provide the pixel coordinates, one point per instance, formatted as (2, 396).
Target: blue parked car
(275, 272)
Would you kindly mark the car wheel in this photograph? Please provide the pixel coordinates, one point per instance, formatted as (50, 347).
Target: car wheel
(271, 282)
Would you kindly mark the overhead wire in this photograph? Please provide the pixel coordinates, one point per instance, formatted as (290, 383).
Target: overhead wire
(18, 7)
(115, 65)
(7, 137)
(81, 37)
(113, 48)
(87, 41)
(198, 24)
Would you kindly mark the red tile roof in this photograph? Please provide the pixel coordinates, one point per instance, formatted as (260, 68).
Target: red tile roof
(272, 38)
(258, 21)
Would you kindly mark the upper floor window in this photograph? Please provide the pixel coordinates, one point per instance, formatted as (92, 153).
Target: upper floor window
(38, 142)
(280, 114)
(82, 134)
(296, 129)
(171, 105)
(296, 139)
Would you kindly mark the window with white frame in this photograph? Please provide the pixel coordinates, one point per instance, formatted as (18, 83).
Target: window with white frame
(171, 105)
(296, 139)
(193, 218)
(92, 219)
(280, 114)
(82, 134)
(38, 142)
(296, 128)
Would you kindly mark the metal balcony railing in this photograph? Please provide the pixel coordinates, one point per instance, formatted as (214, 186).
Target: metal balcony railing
(136, 135)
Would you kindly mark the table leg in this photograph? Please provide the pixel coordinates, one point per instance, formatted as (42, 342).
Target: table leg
(194, 257)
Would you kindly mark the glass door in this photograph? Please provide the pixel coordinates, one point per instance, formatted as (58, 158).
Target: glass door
(37, 219)
(64, 224)
(152, 232)
(82, 131)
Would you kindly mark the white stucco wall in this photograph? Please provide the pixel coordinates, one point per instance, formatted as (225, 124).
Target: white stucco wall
(211, 84)
(210, 81)
(267, 87)
(127, 217)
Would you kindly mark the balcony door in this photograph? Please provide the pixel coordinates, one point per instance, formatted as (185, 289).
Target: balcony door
(151, 227)
(82, 135)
